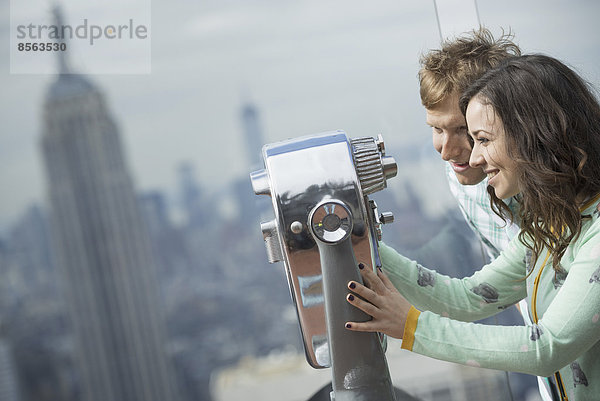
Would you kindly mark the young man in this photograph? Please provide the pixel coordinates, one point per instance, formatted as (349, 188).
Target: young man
(443, 76)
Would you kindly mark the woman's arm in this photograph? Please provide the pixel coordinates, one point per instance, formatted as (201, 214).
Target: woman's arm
(487, 292)
(567, 329)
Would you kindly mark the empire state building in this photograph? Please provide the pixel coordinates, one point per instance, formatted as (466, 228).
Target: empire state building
(103, 248)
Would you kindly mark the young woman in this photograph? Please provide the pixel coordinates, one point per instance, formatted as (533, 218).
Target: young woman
(535, 127)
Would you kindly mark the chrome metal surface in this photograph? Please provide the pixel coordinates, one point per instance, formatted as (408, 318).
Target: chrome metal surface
(260, 182)
(386, 218)
(331, 222)
(372, 166)
(358, 367)
(310, 174)
(271, 237)
(296, 227)
(390, 168)
(380, 144)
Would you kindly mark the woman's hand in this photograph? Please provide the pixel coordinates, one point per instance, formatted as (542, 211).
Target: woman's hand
(382, 301)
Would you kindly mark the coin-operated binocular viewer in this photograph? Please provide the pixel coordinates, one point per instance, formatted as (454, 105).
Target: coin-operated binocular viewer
(325, 225)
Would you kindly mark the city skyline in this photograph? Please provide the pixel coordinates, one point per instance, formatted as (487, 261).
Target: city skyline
(223, 302)
(308, 68)
(103, 249)
(296, 68)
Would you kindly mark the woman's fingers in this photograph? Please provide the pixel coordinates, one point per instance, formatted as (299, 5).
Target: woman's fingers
(380, 300)
(385, 280)
(369, 326)
(364, 306)
(362, 290)
(372, 280)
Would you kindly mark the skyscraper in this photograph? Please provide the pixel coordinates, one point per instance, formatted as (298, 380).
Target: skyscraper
(103, 247)
(8, 377)
(196, 211)
(252, 134)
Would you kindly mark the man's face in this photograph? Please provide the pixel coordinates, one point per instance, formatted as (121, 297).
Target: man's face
(451, 140)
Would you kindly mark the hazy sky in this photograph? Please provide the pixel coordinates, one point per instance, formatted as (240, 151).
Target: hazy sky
(309, 66)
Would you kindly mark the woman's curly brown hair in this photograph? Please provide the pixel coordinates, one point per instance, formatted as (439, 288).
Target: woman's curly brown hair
(551, 120)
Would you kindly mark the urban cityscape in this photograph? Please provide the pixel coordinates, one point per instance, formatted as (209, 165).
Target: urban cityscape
(113, 292)
(106, 296)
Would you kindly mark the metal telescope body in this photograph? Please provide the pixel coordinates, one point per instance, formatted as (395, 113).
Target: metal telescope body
(324, 226)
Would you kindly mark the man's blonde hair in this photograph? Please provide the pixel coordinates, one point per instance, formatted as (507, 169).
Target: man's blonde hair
(460, 62)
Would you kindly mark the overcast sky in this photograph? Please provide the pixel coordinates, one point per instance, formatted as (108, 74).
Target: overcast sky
(309, 66)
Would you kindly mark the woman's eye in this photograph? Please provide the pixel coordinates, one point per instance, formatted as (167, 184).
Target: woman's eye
(470, 138)
(482, 140)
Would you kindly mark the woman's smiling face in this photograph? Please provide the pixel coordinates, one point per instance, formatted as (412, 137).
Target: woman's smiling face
(489, 150)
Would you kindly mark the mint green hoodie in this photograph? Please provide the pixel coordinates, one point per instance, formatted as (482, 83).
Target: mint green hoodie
(566, 336)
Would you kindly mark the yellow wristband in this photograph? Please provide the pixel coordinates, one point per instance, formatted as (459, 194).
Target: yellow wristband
(408, 338)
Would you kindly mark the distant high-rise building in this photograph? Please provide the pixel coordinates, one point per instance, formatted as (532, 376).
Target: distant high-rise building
(8, 376)
(253, 134)
(103, 248)
(196, 213)
(249, 207)
(30, 241)
(155, 212)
